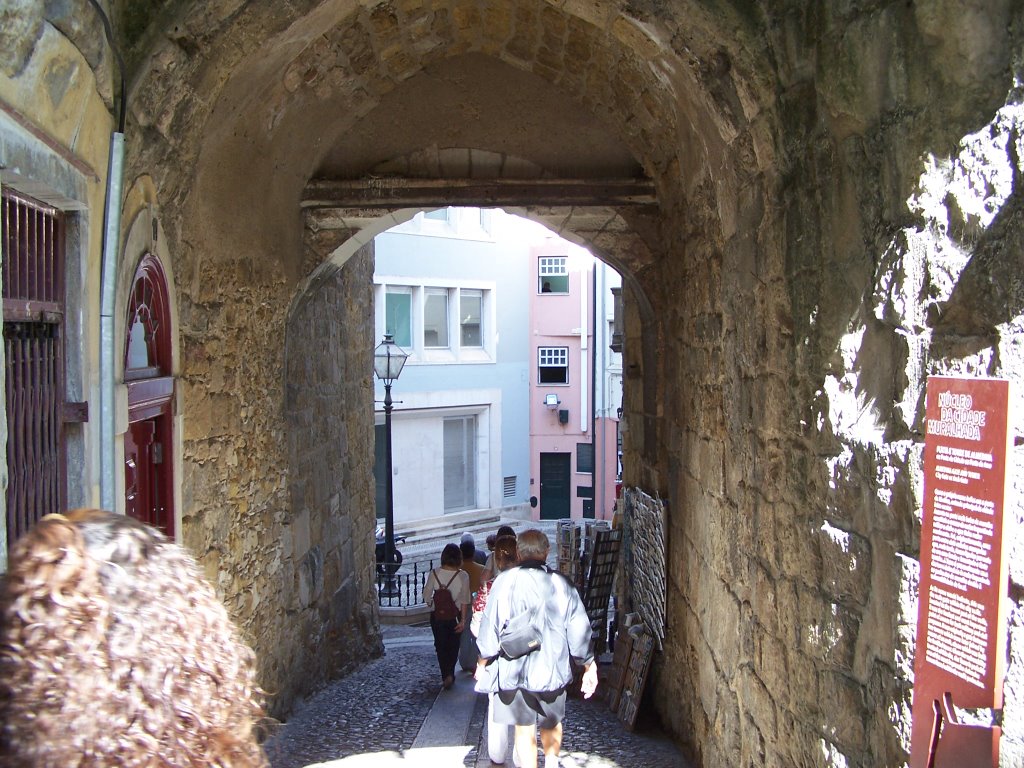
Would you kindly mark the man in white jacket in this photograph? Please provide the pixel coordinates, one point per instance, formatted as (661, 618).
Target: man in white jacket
(532, 687)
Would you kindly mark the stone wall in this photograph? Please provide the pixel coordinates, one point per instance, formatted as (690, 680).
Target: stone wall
(888, 249)
(832, 227)
(329, 599)
(277, 453)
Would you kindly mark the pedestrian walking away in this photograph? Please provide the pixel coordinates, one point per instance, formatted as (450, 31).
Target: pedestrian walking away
(506, 556)
(475, 554)
(533, 627)
(446, 593)
(489, 570)
(467, 644)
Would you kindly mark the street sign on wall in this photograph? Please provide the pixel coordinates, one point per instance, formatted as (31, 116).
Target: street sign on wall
(961, 627)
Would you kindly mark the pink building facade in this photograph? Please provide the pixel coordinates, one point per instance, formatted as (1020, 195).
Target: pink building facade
(575, 388)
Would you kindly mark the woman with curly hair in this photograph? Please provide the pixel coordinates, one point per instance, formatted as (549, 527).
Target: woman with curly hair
(114, 650)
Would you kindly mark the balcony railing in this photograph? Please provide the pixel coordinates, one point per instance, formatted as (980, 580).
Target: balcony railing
(405, 588)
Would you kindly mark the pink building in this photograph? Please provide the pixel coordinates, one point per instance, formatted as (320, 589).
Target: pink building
(575, 391)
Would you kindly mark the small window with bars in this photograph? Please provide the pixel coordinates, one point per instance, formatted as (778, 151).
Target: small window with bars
(552, 275)
(553, 365)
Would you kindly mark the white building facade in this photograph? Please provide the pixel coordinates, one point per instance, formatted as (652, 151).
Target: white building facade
(450, 286)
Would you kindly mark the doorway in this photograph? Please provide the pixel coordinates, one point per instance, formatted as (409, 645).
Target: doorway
(148, 476)
(554, 485)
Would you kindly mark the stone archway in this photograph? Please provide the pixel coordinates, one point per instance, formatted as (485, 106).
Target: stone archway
(781, 161)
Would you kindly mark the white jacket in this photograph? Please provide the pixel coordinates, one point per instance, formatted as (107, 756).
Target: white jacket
(565, 631)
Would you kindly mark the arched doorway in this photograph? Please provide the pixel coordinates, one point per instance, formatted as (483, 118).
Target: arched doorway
(148, 468)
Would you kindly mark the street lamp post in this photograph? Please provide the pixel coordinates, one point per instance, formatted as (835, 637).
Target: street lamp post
(388, 360)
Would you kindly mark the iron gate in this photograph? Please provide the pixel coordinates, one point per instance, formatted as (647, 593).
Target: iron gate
(33, 301)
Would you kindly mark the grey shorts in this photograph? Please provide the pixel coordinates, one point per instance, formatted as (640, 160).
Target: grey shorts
(525, 707)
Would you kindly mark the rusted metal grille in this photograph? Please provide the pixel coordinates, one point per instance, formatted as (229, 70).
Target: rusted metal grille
(33, 300)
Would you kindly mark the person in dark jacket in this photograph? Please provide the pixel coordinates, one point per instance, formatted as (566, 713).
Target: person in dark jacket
(530, 690)
(468, 543)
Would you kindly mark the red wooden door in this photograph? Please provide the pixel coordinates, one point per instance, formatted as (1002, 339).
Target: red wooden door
(148, 477)
(138, 469)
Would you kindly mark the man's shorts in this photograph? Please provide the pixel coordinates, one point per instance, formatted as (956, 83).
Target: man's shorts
(525, 707)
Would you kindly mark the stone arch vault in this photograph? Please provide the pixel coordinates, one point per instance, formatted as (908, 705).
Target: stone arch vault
(806, 182)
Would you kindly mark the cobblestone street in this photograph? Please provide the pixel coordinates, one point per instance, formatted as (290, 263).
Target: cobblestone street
(375, 717)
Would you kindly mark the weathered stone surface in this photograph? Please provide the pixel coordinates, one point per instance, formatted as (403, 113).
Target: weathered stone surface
(20, 28)
(839, 217)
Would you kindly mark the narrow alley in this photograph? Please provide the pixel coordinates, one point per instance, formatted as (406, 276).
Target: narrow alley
(392, 711)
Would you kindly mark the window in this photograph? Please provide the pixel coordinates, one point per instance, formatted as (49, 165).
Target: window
(553, 365)
(509, 489)
(438, 323)
(435, 318)
(552, 275)
(585, 457)
(470, 311)
(459, 463)
(398, 315)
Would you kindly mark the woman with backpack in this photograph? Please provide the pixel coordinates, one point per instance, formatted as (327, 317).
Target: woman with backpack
(446, 593)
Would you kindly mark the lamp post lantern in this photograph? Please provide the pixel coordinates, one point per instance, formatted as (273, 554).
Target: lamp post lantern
(388, 360)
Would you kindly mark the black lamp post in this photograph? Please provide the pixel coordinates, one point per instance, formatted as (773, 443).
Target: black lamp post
(388, 360)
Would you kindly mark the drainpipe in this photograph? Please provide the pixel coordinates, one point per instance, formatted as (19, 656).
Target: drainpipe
(108, 281)
(594, 475)
(111, 242)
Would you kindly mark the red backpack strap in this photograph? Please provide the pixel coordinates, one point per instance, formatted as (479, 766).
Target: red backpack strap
(449, 580)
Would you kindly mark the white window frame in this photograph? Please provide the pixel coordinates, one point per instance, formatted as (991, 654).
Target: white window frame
(553, 357)
(447, 325)
(473, 293)
(455, 352)
(552, 266)
(405, 290)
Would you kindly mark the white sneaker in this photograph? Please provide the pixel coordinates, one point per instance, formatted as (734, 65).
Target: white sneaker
(550, 761)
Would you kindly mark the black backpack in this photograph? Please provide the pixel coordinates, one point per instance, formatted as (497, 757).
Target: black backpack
(445, 608)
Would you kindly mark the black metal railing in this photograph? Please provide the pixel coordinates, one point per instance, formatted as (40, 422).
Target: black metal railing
(403, 590)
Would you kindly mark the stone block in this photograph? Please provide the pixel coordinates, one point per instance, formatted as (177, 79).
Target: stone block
(846, 564)
(846, 709)
(344, 601)
(772, 665)
(757, 703)
(300, 535)
(310, 578)
(708, 676)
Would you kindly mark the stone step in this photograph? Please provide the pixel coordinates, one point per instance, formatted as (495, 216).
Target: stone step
(456, 521)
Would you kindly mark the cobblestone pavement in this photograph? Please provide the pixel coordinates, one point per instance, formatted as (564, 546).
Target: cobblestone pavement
(377, 712)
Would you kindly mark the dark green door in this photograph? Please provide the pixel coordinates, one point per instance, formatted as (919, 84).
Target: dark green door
(554, 485)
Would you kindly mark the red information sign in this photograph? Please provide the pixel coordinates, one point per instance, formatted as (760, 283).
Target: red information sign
(961, 627)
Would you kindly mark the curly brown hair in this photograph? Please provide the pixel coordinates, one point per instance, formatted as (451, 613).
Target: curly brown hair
(114, 650)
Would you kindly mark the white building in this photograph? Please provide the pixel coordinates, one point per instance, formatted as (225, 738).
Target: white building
(450, 285)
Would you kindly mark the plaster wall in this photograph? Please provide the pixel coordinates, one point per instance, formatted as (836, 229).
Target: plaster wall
(54, 139)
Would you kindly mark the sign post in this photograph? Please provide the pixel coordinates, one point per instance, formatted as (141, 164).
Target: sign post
(961, 627)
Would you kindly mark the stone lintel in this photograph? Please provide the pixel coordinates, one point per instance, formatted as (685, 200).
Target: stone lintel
(401, 192)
